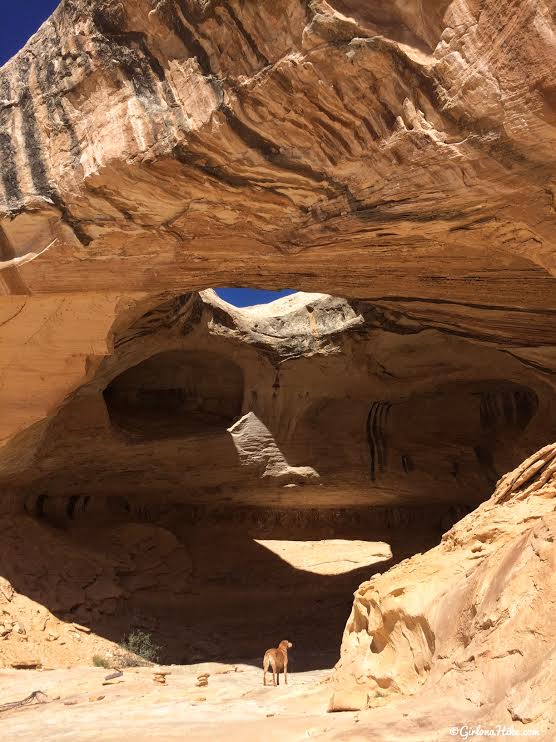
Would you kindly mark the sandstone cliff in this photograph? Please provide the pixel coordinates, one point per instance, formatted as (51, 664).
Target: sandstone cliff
(471, 622)
(160, 147)
(310, 401)
(398, 158)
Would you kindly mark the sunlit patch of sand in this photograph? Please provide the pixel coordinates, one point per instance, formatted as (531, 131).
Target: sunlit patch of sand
(329, 556)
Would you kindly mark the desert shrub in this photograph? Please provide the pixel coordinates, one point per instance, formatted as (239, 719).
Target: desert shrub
(138, 648)
(100, 661)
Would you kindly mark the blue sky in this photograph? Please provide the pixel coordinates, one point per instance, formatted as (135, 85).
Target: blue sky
(248, 297)
(19, 23)
(20, 20)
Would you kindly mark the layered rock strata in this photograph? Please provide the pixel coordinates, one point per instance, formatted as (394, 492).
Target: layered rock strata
(162, 147)
(399, 155)
(311, 401)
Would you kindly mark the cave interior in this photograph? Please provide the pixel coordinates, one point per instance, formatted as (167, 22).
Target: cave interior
(226, 463)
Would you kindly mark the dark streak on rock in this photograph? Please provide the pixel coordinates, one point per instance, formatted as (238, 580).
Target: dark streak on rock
(246, 35)
(130, 51)
(185, 309)
(218, 173)
(271, 152)
(384, 212)
(376, 426)
(387, 320)
(505, 407)
(134, 68)
(188, 38)
(8, 168)
(486, 462)
(335, 137)
(34, 154)
(71, 505)
(471, 224)
(31, 137)
(407, 463)
(53, 99)
(174, 23)
(39, 506)
(192, 159)
(14, 315)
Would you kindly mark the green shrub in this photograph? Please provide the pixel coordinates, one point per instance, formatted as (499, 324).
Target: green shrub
(138, 648)
(100, 661)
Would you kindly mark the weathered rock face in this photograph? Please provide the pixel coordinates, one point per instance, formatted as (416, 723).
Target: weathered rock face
(399, 155)
(472, 620)
(178, 479)
(310, 401)
(189, 130)
(155, 147)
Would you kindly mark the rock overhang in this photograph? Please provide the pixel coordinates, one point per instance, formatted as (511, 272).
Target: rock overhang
(398, 158)
(177, 127)
(309, 401)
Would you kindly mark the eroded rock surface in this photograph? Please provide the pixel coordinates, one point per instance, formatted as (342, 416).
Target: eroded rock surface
(472, 620)
(421, 131)
(153, 439)
(162, 147)
(309, 401)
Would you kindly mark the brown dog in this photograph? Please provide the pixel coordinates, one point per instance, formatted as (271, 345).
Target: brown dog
(278, 661)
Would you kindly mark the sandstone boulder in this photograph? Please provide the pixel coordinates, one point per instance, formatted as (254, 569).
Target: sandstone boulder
(471, 619)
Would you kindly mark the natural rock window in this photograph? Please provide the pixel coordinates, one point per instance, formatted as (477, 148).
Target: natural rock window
(224, 475)
(244, 297)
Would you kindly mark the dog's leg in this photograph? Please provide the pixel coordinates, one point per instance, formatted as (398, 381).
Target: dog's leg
(286, 672)
(265, 669)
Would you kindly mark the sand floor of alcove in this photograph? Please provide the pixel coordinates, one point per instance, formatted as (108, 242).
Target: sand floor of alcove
(234, 706)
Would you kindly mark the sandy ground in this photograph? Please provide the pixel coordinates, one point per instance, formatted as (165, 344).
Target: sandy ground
(233, 705)
(242, 595)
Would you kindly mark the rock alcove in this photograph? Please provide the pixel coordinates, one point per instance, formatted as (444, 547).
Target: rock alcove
(169, 461)
(219, 455)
